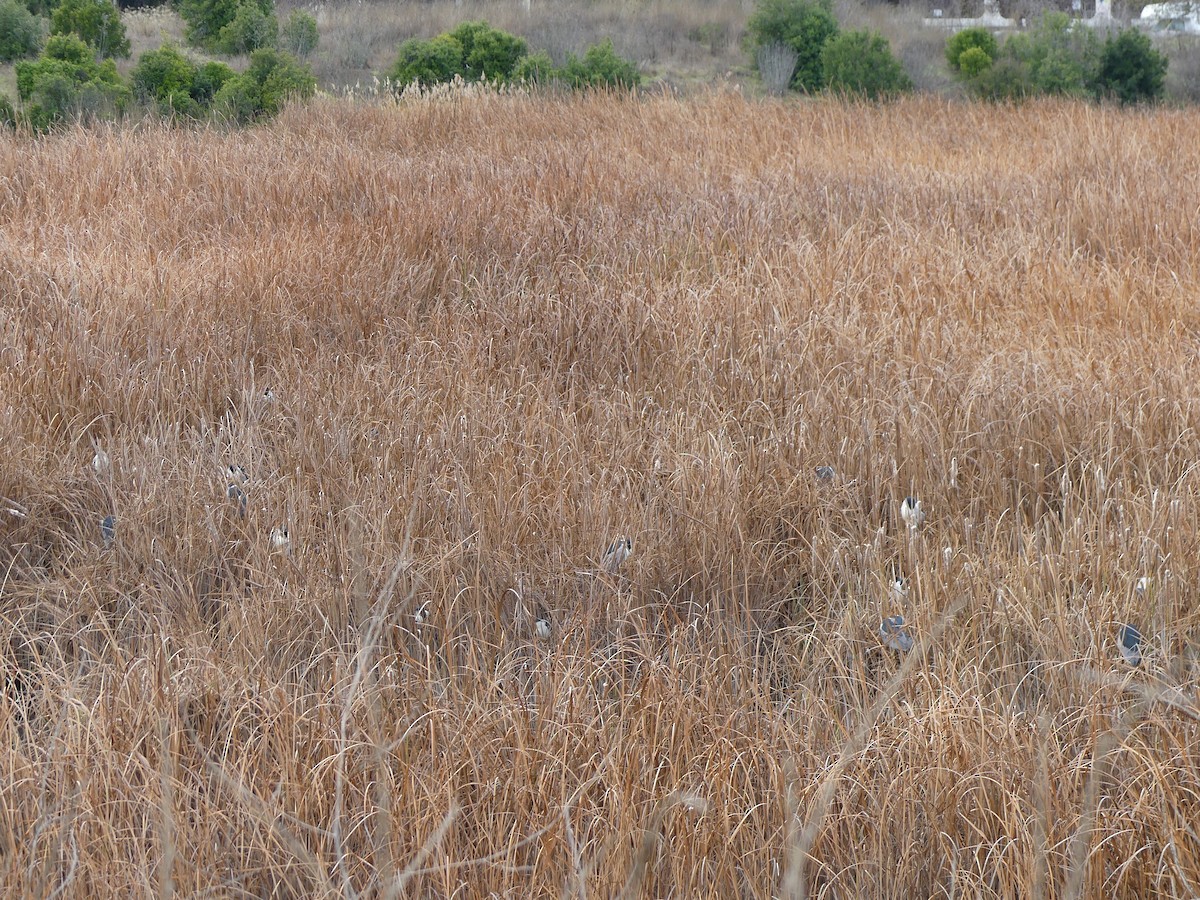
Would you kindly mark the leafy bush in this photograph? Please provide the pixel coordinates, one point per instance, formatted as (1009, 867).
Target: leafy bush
(251, 29)
(67, 81)
(206, 18)
(299, 36)
(98, 22)
(487, 52)
(971, 39)
(600, 67)
(1131, 70)
(536, 68)
(165, 77)
(1062, 57)
(210, 78)
(176, 86)
(804, 25)
(261, 91)
(973, 61)
(434, 61)
(1058, 56)
(861, 62)
(20, 31)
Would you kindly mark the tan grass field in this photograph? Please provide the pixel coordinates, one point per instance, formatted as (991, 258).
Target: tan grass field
(501, 331)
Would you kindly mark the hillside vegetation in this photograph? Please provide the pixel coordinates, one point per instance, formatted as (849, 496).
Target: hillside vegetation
(459, 345)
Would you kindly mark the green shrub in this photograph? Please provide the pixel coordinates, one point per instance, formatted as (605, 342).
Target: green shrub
(1131, 70)
(210, 78)
(174, 85)
(98, 22)
(66, 82)
(1057, 56)
(600, 66)
(261, 91)
(973, 61)
(861, 62)
(1005, 79)
(804, 25)
(971, 39)
(165, 77)
(1062, 56)
(487, 52)
(20, 31)
(251, 29)
(206, 18)
(299, 36)
(536, 68)
(427, 62)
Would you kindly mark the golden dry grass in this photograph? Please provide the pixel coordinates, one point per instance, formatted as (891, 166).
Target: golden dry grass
(502, 330)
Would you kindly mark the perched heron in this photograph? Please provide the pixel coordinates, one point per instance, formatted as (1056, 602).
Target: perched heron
(421, 616)
(825, 474)
(108, 530)
(1130, 641)
(912, 513)
(237, 475)
(1143, 585)
(102, 463)
(281, 541)
(618, 551)
(238, 496)
(895, 635)
(900, 588)
(541, 625)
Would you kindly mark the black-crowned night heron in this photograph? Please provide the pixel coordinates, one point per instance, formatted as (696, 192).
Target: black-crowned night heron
(824, 474)
(618, 551)
(281, 541)
(541, 625)
(102, 463)
(895, 636)
(912, 513)
(108, 530)
(1129, 642)
(238, 496)
(421, 616)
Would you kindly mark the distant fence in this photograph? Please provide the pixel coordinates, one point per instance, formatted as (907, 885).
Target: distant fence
(1180, 17)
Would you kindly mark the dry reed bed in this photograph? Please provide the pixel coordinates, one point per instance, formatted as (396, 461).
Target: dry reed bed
(501, 331)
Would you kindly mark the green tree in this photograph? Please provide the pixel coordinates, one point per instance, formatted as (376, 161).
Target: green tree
(971, 39)
(804, 25)
(206, 18)
(1131, 70)
(487, 52)
(250, 30)
(98, 22)
(861, 62)
(66, 81)
(21, 31)
(427, 62)
(299, 36)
